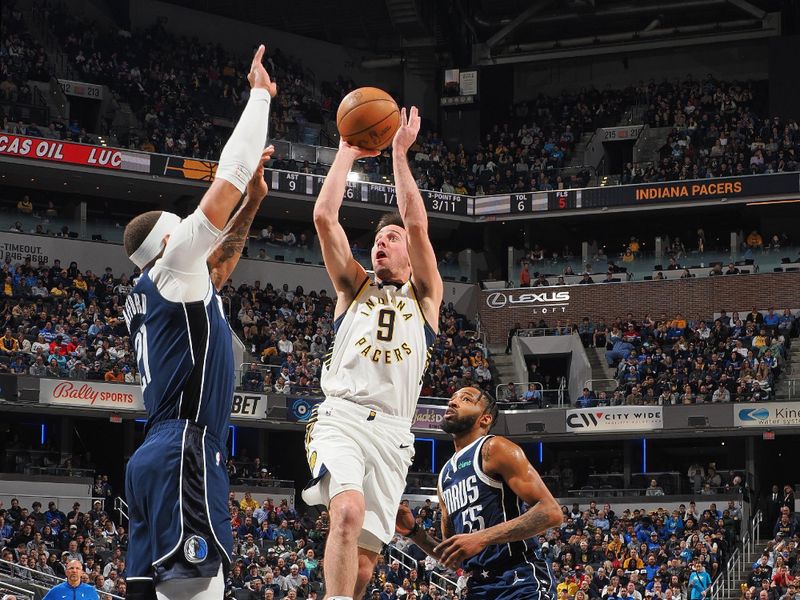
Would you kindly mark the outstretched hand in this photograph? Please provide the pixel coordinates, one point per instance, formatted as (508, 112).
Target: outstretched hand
(257, 187)
(407, 132)
(356, 152)
(258, 76)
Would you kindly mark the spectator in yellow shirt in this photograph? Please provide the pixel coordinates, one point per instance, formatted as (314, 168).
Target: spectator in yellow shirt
(8, 343)
(761, 340)
(79, 283)
(678, 322)
(248, 502)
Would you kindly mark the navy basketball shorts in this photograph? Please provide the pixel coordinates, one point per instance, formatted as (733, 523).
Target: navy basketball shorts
(177, 487)
(518, 583)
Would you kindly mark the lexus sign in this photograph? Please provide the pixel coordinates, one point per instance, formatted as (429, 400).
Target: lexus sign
(544, 302)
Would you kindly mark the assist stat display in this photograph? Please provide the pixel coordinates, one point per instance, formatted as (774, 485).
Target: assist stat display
(369, 193)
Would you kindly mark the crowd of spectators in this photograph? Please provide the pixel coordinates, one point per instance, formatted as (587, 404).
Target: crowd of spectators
(599, 553)
(176, 85)
(720, 129)
(21, 59)
(775, 575)
(59, 321)
(525, 151)
(540, 266)
(291, 330)
(678, 360)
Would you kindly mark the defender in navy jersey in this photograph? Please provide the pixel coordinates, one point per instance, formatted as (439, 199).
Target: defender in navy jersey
(483, 489)
(176, 483)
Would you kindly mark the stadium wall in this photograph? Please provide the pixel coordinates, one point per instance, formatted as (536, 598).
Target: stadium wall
(63, 490)
(694, 298)
(743, 61)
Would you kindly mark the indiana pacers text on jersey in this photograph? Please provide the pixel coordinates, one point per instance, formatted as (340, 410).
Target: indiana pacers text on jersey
(381, 339)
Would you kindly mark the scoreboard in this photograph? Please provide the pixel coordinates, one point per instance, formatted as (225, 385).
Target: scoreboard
(365, 192)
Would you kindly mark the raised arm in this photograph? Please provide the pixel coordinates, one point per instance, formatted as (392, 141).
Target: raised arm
(240, 156)
(227, 250)
(505, 461)
(345, 272)
(425, 271)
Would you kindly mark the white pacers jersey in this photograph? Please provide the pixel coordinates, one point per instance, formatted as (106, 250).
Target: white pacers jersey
(380, 351)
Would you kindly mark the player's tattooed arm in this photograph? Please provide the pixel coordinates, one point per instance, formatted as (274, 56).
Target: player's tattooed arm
(227, 250)
(505, 461)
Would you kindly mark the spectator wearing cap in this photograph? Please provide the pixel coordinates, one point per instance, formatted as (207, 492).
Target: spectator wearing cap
(396, 574)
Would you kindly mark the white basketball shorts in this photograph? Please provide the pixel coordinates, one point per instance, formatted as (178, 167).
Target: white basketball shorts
(352, 447)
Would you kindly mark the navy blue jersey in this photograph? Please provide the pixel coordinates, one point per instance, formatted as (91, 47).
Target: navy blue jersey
(185, 357)
(476, 501)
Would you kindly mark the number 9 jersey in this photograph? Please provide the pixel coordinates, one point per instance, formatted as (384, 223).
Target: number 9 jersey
(381, 350)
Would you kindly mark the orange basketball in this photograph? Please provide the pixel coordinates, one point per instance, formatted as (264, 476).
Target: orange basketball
(368, 118)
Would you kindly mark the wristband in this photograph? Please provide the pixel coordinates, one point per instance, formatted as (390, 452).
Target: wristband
(414, 530)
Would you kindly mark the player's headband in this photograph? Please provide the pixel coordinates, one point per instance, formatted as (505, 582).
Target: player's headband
(153, 244)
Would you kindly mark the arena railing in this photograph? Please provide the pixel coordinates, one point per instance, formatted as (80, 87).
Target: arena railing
(543, 398)
(265, 482)
(70, 499)
(18, 592)
(408, 561)
(436, 579)
(606, 384)
(440, 581)
(736, 567)
(122, 508)
(647, 265)
(543, 331)
(36, 579)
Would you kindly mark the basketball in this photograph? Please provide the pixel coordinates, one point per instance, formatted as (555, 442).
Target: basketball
(368, 118)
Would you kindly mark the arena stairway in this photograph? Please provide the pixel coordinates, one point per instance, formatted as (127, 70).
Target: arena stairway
(739, 566)
(788, 385)
(503, 364)
(646, 148)
(577, 153)
(600, 370)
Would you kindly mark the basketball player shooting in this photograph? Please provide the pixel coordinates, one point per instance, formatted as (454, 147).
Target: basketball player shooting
(481, 492)
(176, 483)
(359, 442)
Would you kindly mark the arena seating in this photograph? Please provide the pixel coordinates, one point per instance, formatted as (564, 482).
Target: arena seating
(663, 360)
(596, 553)
(286, 331)
(719, 127)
